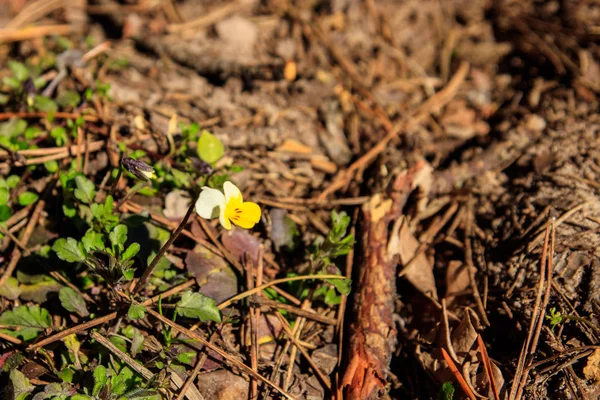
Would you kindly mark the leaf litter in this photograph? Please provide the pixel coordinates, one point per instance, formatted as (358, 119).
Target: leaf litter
(420, 149)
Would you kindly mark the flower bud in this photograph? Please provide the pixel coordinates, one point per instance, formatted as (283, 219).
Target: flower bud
(202, 167)
(138, 168)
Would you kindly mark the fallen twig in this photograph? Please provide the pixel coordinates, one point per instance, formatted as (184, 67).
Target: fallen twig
(459, 378)
(229, 358)
(487, 365)
(32, 32)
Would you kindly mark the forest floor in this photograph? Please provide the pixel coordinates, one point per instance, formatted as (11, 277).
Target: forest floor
(427, 174)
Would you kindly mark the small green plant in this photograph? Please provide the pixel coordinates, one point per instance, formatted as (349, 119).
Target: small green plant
(555, 317)
(100, 91)
(193, 157)
(21, 86)
(323, 254)
(107, 255)
(103, 246)
(446, 391)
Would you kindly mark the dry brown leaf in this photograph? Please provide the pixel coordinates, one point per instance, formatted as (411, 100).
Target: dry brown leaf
(293, 146)
(269, 327)
(592, 368)
(457, 280)
(322, 163)
(222, 385)
(462, 122)
(214, 276)
(420, 271)
(333, 138)
(463, 337)
(482, 385)
(239, 242)
(326, 357)
(282, 229)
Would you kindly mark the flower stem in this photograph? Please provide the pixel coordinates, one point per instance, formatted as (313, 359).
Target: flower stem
(142, 282)
(129, 194)
(117, 179)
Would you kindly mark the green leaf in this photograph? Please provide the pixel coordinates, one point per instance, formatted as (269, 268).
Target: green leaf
(69, 209)
(20, 385)
(136, 311)
(73, 301)
(72, 343)
(66, 375)
(100, 379)
(446, 392)
(59, 134)
(127, 331)
(13, 127)
(131, 251)
(120, 383)
(10, 289)
(120, 342)
(332, 298)
(27, 198)
(92, 240)
(32, 133)
(142, 394)
(68, 98)
(186, 357)
(118, 236)
(19, 70)
(181, 178)
(339, 225)
(55, 391)
(343, 285)
(196, 305)
(4, 195)
(68, 250)
(128, 273)
(80, 397)
(43, 103)
(30, 320)
(51, 166)
(38, 291)
(12, 181)
(109, 204)
(11, 82)
(210, 149)
(39, 82)
(86, 190)
(5, 212)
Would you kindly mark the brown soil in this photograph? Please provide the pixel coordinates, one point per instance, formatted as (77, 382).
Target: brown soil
(462, 137)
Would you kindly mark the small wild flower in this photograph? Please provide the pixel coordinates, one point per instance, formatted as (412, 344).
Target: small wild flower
(228, 206)
(203, 168)
(138, 168)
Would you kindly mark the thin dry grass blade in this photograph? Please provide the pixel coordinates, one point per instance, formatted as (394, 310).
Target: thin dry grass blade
(487, 365)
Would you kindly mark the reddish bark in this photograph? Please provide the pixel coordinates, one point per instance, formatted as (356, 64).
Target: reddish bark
(372, 334)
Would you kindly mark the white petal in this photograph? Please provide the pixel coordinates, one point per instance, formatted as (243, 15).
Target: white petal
(231, 192)
(225, 222)
(209, 203)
